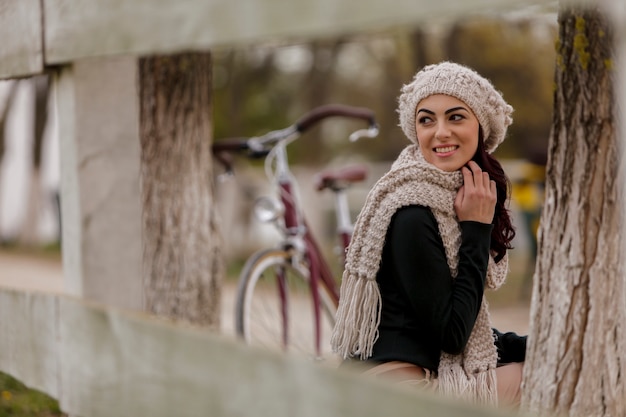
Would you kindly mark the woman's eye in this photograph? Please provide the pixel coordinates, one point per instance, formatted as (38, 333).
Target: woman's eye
(425, 119)
(456, 117)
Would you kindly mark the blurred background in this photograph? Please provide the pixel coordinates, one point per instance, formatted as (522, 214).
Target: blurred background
(268, 86)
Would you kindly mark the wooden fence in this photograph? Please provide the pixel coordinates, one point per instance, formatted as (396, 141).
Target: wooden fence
(106, 360)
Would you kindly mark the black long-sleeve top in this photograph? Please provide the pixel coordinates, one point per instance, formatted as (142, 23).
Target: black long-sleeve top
(424, 310)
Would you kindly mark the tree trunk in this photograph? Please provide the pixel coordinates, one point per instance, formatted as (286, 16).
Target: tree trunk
(182, 256)
(576, 358)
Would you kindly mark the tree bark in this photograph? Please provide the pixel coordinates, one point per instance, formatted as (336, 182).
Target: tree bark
(182, 257)
(576, 358)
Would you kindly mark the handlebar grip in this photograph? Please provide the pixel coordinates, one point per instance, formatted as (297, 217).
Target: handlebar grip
(223, 150)
(230, 145)
(329, 110)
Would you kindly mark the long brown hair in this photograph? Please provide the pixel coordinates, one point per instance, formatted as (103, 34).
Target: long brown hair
(503, 231)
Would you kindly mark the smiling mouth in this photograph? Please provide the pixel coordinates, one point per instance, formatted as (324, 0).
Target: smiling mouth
(445, 149)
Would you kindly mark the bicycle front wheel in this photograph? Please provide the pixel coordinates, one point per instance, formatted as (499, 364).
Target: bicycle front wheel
(274, 307)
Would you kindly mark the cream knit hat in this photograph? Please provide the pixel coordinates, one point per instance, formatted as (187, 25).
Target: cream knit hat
(493, 113)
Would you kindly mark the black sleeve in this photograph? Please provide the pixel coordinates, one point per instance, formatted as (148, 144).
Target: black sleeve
(511, 347)
(446, 307)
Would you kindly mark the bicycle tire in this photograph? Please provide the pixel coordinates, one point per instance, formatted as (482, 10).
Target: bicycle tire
(258, 317)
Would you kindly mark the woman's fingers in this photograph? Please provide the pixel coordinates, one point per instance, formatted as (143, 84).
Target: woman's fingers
(477, 198)
(458, 201)
(476, 178)
(486, 181)
(468, 177)
(477, 174)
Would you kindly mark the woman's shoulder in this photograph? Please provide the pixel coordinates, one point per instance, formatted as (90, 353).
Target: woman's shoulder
(413, 218)
(414, 212)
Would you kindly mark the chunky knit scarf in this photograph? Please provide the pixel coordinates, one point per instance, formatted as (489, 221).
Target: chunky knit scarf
(413, 181)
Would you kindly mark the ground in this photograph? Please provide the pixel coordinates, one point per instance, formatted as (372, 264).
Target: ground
(45, 273)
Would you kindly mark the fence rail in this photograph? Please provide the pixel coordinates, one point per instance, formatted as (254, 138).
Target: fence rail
(100, 361)
(75, 29)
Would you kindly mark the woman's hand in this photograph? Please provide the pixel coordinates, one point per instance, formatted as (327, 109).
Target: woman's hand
(476, 199)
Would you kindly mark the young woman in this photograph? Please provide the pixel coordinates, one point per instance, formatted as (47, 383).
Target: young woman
(433, 233)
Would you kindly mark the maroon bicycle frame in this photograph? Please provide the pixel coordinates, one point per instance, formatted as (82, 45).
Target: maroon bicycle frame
(319, 270)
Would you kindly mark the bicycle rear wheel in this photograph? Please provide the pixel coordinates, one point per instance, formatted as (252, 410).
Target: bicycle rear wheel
(274, 306)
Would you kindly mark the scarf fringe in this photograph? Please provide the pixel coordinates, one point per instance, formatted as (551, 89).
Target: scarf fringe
(361, 303)
(480, 388)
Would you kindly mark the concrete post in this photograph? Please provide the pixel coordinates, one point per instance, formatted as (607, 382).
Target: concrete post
(100, 199)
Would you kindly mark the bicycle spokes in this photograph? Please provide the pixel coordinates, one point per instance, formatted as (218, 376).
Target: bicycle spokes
(274, 307)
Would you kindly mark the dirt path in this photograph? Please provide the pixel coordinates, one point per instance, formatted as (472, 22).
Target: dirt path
(33, 273)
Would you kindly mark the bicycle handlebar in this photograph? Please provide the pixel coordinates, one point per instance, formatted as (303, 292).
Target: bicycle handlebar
(329, 110)
(256, 147)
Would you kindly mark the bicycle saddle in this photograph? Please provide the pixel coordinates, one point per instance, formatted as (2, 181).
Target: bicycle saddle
(340, 179)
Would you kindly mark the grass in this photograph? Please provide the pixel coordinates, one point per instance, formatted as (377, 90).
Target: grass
(17, 400)
(50, 251)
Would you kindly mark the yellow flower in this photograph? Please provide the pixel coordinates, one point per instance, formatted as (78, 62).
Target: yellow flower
(6, 395)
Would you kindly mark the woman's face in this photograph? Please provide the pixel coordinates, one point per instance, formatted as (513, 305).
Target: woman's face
(447, 131)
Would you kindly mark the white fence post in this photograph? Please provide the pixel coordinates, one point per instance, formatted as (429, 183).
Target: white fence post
(100, 203)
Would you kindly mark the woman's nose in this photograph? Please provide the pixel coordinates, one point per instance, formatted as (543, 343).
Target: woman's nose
(443, 131)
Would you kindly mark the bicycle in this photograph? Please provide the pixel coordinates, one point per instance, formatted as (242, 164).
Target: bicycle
(275, 284)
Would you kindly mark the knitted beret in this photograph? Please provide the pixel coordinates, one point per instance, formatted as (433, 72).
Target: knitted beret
(488, 105)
